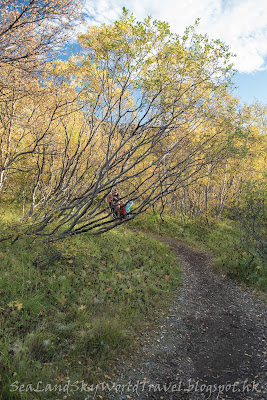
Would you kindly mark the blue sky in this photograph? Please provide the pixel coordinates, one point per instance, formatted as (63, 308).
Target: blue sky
(251, 86)
(241, 24)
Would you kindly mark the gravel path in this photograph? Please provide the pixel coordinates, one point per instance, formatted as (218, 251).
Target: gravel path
(210, 344)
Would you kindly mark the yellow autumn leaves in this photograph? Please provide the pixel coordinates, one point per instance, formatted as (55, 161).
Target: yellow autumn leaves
(16, 305)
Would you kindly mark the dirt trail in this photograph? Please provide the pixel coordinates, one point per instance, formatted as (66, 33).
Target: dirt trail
(210, 345)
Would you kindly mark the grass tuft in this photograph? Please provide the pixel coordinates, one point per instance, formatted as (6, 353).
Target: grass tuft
(72, 317)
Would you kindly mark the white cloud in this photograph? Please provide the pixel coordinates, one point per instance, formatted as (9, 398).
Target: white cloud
(242, 24)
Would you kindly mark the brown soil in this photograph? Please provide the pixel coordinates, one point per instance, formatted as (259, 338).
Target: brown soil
(209, 345)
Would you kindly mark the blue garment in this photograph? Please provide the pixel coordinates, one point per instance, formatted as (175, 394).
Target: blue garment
(128, 206)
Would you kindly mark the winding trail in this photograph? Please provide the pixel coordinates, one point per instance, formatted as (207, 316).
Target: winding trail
(209, 345)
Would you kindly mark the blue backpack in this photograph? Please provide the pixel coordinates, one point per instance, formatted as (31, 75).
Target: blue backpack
(128, 207)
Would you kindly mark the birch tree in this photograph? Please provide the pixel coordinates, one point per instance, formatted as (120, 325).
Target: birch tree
(147, 96)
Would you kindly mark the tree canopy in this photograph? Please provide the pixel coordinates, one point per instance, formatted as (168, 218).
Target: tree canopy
(141, 108)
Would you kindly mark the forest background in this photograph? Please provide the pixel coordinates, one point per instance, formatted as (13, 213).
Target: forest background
(142, 109)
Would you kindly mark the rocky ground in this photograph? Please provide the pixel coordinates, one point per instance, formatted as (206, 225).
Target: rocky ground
(209, 345)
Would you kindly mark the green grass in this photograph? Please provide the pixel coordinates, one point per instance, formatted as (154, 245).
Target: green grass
(221, 237)
(72, 318)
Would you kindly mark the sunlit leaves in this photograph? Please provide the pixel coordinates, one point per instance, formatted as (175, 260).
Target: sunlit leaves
(17, 305)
